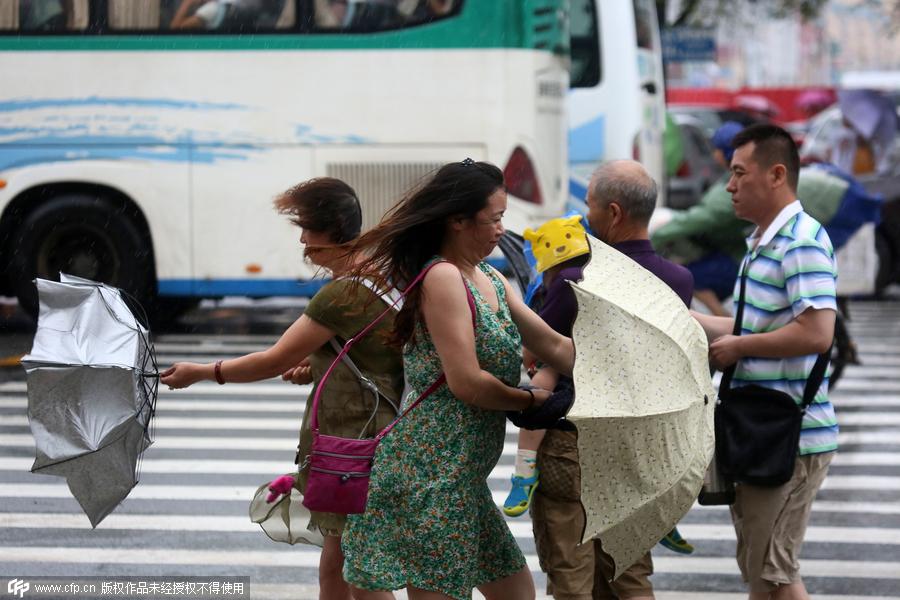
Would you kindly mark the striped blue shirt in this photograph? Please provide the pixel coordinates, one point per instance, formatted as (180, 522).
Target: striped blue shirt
(790, 268)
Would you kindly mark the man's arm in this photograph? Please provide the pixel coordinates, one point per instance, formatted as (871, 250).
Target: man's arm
(810, 333)
(715, 327)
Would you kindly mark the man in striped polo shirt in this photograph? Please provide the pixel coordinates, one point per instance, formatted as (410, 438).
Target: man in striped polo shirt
(788, 320)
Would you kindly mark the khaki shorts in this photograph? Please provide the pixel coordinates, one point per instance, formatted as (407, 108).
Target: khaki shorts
(574, 572)
(770, 524)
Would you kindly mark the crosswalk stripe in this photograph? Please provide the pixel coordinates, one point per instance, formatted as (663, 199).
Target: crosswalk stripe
(233, 349)
(844, 569)
(284, 441)
(165, 442)
(298, 402)
(880, 508)
(882, 436)
(289, 441)
(269, 387)
(229, 493)
(226, 406)
(520, 529)
(269, 467)
(866, 370)
(310, 559)
(143, 491)
(850, 384)
(291, 423)
(877, 400)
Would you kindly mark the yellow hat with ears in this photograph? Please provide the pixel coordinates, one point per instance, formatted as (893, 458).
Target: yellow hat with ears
(558, 240)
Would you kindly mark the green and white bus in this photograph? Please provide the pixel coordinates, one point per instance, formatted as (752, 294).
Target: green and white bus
(142, 141)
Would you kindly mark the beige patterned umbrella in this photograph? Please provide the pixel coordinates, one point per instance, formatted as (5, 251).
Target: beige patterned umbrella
(643, 405)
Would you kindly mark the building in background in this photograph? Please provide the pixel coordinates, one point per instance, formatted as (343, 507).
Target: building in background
(755, 50)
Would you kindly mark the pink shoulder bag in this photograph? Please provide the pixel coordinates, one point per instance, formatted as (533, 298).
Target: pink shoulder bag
(339, 468)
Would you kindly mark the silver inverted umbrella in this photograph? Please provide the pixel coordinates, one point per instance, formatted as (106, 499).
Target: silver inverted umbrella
(92, 387)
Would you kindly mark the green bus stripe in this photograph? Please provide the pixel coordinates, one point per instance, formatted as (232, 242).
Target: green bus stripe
(481, 24)
(393, 40)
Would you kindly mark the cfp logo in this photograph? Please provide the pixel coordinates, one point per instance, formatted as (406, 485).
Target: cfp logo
(17, 587)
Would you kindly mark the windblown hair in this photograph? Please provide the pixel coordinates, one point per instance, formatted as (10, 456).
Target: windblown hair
(774, 146)
(324, 205)
(413, 231)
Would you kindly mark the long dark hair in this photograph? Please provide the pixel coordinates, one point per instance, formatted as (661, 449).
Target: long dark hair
(324, 205)
(413, 231)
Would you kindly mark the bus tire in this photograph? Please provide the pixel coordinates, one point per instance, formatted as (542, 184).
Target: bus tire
(83, 235)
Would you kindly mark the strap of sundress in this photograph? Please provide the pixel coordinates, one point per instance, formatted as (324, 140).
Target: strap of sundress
(314, 419)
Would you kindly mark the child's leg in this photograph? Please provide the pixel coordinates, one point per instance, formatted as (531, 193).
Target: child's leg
(525, 475)
(526, 455)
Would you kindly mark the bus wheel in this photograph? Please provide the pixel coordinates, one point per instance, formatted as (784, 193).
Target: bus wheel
(81, 235)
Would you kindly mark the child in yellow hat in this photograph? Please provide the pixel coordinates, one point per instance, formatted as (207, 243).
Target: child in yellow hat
(561, 249)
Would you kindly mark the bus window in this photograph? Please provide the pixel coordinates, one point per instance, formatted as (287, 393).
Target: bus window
(218, 16)
(9, 16)
(125, 14)
(643, 24)
(380, 15)
(44, 16)
(584, 44)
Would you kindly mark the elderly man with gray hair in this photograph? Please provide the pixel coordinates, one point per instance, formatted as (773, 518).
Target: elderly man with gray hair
(621, 198)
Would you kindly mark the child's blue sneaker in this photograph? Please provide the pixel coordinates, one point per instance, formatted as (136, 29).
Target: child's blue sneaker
(674, 542)
(520, 495)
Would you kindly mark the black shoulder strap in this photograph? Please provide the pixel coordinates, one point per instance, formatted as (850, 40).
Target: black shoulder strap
(813, 382)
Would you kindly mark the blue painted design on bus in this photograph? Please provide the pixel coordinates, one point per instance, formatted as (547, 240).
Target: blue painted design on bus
(259, 288)
(50, 149)
(39, 103)
(256, 288)
(577, 191)
(586, 142)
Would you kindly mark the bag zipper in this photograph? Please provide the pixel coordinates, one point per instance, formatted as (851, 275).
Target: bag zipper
(337, 455)
(343, 475)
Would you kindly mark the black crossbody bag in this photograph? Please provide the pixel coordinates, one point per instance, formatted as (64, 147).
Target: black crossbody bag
(758, 428)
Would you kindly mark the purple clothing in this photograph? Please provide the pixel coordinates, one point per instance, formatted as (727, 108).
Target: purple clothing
(675, 276)
(559, 307)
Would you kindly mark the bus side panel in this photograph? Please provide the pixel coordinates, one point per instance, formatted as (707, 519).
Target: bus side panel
(238, 234)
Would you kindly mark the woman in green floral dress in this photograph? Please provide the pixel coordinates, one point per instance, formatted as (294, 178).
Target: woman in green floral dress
(430, 523)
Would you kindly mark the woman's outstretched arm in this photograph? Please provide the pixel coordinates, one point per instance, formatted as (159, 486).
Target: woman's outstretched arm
(299, 341)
